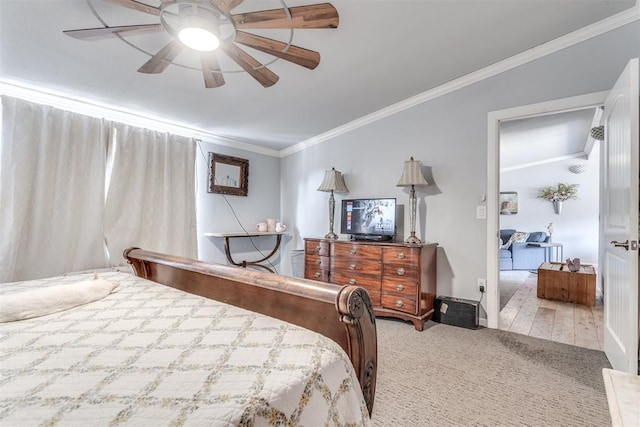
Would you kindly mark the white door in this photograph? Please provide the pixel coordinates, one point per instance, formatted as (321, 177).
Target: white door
(619, 221)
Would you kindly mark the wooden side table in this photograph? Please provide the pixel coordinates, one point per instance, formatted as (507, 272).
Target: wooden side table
(257, 263)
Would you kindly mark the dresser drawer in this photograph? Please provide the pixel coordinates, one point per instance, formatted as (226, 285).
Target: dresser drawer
(400, 287)
(316, 247)
(371, 285)
(402, 255)
(375, 297)
(403, 272)
(315, 273)
(351, 250)
(400, 303)
(356, 265)
(345, 278)
(317, 261)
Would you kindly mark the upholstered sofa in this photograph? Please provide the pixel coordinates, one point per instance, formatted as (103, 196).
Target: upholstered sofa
(519, 255)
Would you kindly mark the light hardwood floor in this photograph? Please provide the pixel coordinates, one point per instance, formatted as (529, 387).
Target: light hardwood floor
(568, 323)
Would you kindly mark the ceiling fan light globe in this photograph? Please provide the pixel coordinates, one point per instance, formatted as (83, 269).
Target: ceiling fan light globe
(199, 39)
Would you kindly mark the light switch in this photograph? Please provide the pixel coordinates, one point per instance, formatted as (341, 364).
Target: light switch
(481, 212)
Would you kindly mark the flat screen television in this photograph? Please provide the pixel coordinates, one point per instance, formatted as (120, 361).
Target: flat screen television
(369, 219)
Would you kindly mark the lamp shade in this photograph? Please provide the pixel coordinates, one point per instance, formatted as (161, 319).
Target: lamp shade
(333, 181)
(412, 174)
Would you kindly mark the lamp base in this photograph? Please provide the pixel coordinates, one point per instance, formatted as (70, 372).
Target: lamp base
(413, 240)
(331, 235)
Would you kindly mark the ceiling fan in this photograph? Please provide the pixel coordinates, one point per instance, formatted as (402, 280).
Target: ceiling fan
(207, 26)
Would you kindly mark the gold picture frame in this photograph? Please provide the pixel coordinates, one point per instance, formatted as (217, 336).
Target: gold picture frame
(228, 175)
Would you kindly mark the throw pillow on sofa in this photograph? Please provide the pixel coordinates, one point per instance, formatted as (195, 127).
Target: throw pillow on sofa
(537, 236)
(518, 236)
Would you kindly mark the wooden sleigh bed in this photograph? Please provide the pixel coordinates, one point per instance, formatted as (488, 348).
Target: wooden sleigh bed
(274, 373)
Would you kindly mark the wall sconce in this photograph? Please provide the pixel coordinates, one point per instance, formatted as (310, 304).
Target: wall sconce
(412, 176)
(333, 182)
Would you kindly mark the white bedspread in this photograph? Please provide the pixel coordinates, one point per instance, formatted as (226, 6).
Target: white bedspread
(150, 355)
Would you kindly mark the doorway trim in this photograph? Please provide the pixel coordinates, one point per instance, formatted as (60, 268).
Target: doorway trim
(493, 180)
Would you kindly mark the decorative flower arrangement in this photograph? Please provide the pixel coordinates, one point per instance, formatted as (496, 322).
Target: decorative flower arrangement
(559, 193)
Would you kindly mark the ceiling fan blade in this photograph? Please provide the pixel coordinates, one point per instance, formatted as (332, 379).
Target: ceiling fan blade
(248, 63)
(136, 5)
(161, 60)
(298, 55)
(322, 15)
(209, 65)
(226, 5)
(107, 32)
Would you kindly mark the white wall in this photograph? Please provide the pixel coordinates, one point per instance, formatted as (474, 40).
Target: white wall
(577, 226)
(449, 135)
(217, 212)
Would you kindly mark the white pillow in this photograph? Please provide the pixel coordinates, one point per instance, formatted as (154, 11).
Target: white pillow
(52, 299)
(518, 236)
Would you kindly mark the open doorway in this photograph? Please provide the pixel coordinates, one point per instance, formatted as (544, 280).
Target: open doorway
(619, 190)
(557, 152)
(589, 101)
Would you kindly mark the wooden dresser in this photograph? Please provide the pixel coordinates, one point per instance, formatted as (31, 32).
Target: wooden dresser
(400, 277)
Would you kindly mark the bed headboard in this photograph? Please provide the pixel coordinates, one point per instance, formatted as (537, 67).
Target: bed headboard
(342, 313)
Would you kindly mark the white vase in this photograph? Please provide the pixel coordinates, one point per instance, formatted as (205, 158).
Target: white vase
(557, 206)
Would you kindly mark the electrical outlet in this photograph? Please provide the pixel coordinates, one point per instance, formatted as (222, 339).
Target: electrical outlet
(482, 285)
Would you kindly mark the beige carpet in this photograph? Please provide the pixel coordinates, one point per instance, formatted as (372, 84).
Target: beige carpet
(451, 376)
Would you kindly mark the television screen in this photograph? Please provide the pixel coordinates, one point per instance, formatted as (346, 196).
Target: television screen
(369, 216)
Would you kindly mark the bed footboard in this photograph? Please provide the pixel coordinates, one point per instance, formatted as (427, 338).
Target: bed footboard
(342, 313)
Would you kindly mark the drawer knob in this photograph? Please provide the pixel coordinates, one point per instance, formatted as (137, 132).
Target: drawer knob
(399, 287)
(401, 255)
(318, 261)
(317, 274)
(318, 248)
(399, 303)
(353, 251)
(352, 267)
(352, 281)
(400, 271)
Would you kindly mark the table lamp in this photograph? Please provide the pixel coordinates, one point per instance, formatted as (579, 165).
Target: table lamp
(412, 176)
(333, 182)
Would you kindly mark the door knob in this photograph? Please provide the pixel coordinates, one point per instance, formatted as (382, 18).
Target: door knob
(624, 244)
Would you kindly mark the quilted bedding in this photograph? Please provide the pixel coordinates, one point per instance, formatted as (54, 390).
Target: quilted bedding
(152, 355)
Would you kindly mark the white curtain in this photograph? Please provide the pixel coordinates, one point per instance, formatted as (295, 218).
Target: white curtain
(151, 202)
(52, 188)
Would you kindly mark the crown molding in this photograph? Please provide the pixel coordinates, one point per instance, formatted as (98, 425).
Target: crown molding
(585, 33)
(90, 108)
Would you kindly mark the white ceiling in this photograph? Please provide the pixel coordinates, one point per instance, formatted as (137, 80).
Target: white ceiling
(383, 52)
(536, 140)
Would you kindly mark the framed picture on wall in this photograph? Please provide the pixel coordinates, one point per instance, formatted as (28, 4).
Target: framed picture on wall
(508, 203)
(228, 175)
